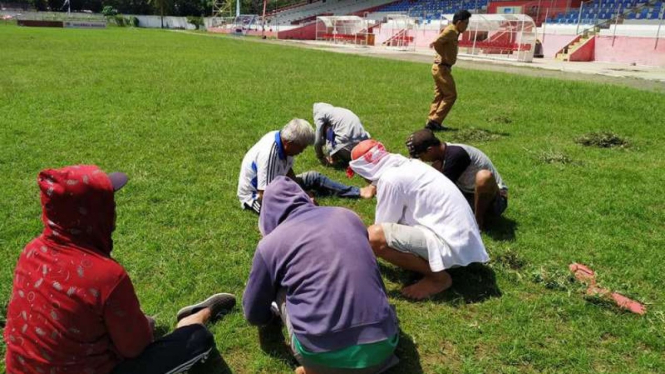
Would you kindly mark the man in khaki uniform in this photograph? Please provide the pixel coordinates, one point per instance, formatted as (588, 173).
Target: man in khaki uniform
(445, 92)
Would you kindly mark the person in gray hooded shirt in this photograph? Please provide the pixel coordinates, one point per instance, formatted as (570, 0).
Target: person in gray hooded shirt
(317, 265)
(338, 130)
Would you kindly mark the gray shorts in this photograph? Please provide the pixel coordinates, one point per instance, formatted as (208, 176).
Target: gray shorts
(284, 315)
(407, 239)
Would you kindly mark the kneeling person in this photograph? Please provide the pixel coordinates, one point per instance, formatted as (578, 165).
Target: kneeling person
(468, 167)
(317, 265)
(338, 130)
(273, 156)
(422, 222)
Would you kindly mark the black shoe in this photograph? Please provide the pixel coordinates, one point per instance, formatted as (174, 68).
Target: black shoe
(434, 126)
(219, 305)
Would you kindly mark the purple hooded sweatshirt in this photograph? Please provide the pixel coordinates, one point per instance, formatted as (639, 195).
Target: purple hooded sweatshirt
(335, 296)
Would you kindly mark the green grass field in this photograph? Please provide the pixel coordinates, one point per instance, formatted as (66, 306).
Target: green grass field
(178, 111)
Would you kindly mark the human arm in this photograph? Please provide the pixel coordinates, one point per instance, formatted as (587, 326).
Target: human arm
(441, 43)
(128, 327)
(259, 293)
(320, 137)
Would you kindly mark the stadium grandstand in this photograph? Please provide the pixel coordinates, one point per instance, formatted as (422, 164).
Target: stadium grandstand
(568, 30)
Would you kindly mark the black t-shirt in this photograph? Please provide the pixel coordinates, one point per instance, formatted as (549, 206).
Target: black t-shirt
(455, 161)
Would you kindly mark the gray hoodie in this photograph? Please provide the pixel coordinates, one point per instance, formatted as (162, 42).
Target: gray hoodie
(338, 127)
(335, 296)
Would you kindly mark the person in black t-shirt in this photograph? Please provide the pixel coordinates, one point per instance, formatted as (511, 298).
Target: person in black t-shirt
(468, 167)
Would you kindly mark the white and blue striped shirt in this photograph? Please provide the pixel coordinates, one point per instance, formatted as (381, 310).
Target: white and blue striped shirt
(262, 163)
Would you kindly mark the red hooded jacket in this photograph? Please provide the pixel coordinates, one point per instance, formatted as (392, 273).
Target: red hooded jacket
(73, 309)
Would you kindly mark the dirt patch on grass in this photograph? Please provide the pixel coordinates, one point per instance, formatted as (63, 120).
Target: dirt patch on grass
(603, 139)
(553, 157)
(511, 260)
(474, 135)
(557, 280)
(504, 120)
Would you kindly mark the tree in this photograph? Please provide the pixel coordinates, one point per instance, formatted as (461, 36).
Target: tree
(109, 11)
(162, 6)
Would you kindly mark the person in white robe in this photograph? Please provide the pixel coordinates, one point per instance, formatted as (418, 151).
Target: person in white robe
(422, 222)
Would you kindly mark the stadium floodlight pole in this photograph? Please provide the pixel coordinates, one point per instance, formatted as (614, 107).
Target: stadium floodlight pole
(616, 22)
(658, 32)
(475, 34)
(263, 22)
(237, 8)
(547, 12)
(69, 7)
(579, 18)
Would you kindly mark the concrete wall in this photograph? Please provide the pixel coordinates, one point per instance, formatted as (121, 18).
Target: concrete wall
(585, 52)
(553, 43)
(639, 51)
(169, 22)
(307, 32)
(221, 30)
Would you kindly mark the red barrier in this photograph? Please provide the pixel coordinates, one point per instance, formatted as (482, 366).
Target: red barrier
(35, 23)
(496, 45)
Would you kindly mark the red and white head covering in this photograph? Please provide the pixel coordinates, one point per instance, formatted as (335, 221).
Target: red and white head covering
(370, 160)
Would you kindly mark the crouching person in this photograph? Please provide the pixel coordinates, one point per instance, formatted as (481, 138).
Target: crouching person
(317, 265)
(422, 222)
(73, 308)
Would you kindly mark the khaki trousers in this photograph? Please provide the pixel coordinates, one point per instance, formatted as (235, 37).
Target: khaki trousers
(445, 93)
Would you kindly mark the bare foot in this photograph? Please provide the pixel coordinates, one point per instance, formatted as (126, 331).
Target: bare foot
(428, 286)
(368, 192)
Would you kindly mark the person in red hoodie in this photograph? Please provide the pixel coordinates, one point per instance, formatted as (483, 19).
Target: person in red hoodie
(73, 308)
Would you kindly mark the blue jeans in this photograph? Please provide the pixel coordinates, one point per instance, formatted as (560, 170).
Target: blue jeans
(324, 186)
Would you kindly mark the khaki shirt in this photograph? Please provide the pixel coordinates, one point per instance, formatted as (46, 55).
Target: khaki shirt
(446, 46)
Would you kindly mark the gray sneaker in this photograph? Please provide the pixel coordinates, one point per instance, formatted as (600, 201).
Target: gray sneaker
(219, 304)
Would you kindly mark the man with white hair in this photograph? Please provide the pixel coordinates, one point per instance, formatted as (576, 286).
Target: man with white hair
(422, 221)
(273, 156)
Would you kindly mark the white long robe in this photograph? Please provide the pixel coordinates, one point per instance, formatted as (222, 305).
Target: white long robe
(412, 193)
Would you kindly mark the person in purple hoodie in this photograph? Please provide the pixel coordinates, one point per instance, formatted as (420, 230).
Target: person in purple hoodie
(317, 266)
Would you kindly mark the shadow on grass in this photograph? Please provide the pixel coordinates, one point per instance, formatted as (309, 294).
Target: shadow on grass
(3, 316)
(271, 339)
(409, 358)
(501, 228)
(471, 284)
(215, 364)
(273, 343)
(475, 135)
